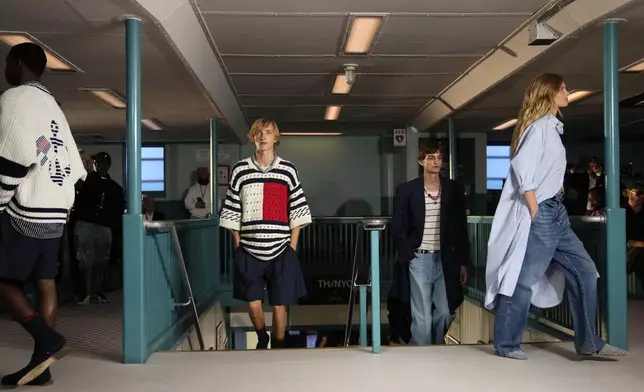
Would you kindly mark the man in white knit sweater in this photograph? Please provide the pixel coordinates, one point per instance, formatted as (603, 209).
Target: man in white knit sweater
(39, 165)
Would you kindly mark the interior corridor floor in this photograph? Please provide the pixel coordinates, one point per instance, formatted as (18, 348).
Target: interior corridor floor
(457, 368)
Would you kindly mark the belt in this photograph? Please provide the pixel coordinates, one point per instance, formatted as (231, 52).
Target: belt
(425, 251)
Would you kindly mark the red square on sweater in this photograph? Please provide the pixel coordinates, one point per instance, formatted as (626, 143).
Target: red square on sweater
(275, 206)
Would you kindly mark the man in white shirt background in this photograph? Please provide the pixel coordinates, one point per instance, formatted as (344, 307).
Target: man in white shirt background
(197, 199)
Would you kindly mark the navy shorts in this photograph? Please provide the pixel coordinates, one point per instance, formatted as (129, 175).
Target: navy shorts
(282, 278)
(24, 258)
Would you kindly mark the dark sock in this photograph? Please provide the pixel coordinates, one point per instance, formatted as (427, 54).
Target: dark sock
(277, 344)
(46, 338)
(262, 338)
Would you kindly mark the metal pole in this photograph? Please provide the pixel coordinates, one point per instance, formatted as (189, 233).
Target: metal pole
(214, 200)
(615, 216)
(363, 315)
(134, 336)
(452, 148)
(213, 168)
(375, 292)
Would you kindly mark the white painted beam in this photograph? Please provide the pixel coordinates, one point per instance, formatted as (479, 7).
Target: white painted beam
(500, 65)
(183, 29)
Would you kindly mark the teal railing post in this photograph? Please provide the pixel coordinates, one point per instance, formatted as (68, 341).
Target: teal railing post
(363, 315)
(214, 197)
(452, 148)
(374, 227)
(134, 339)
(617, 320)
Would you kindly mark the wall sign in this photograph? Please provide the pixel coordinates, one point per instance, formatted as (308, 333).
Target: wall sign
(223, 175)
(400, 137)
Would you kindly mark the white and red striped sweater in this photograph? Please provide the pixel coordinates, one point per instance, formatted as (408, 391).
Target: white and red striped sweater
(264, 205)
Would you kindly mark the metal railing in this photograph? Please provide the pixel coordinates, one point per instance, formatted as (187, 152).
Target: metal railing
(182, 279)
(332, 245)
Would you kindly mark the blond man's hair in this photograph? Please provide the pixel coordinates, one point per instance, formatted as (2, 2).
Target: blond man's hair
(262, 124)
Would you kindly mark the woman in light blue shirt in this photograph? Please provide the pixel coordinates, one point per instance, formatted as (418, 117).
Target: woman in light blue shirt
(533, 254)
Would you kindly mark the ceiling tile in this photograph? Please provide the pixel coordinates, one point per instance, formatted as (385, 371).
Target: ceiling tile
(455, 6)
(445, 35)
(273, 35)
(408, 85)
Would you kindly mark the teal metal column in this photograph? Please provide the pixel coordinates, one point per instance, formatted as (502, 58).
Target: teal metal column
(363, 315)
(452, 148)
(214, 198)
(214, 177)
(375, 292)
(134, 336)
(617, 320)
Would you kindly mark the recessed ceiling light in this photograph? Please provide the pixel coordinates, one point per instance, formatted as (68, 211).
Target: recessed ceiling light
(341, 86)
(55, 62)
(311, 133)
(108, 96)
(505, 125)
(152, 124)
(362, 32)
(576, 95)
(332, 113)
(637, 66)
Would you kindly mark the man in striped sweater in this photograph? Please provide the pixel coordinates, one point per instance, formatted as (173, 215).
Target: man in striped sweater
(39, 166)
(265, 209)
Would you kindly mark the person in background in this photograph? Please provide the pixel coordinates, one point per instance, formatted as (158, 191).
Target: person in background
(429, 227)
(197, 199)
(533, 253)
(149, 213)
(39, 166)
(596, 203)
(635, 228)
(99, 211)
(265, 208)
(76, 275)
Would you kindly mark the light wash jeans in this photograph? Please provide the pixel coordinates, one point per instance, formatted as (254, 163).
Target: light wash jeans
(551, 239)
(429, 324)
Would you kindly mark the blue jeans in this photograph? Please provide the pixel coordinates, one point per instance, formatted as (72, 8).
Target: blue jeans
(427, 286)
(551, 239)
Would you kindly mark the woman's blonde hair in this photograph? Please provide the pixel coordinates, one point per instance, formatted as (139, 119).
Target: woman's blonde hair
(539, 101)
(260, 125)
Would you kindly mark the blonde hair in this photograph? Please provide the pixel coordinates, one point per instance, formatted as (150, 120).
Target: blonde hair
(539, 101)
(260, 125)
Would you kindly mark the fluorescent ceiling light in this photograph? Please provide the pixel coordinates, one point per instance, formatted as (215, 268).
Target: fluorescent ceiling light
(362, 32)
(505, 125)
(341, 86)
(637, 66)
(332, 113)
(152, 124)
(54, 61)
(311, 133)
(108, 96)
(576, 95)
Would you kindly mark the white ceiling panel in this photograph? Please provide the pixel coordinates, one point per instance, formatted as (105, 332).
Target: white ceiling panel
(308, 6)
(410, 85)
(371, 64)
(308, 35)
(445, 35)
(257, 84)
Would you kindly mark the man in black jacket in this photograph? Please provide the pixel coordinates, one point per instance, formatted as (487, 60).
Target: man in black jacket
(98, 210)
(430, 235)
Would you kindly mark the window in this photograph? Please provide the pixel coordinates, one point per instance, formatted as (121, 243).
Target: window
(498, 166)
(152, 169)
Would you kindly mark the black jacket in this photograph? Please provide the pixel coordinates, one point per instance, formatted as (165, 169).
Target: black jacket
(407, 228)
(100, 200)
